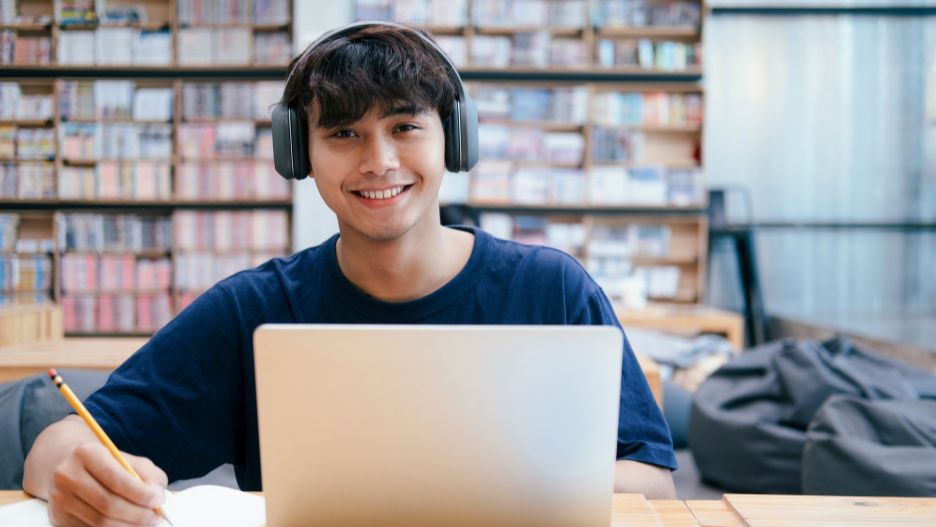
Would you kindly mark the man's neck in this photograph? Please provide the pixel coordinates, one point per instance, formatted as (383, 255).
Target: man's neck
(408, 268)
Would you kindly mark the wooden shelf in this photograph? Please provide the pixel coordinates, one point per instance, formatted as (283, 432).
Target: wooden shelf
(443, 30)
(681, 163)
(26, 122)
(581, 208)
(149, 26)
(549, 126)
(649, 32)
(694, 129)
(510, 30)
(256, 27)
(110, 120)
(27, 27)
(210, 120)
(145, 253)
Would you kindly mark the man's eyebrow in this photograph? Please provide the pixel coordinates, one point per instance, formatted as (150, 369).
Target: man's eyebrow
(405, 109)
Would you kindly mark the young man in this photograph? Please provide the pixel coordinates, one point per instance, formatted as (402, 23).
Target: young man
(185, 402)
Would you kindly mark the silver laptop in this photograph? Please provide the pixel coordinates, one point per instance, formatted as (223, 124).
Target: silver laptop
(369, 425)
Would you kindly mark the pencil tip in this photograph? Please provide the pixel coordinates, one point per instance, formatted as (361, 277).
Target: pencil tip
(52, 373)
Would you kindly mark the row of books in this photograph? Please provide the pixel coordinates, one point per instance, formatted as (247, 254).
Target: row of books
(196, 272)
(18, 50)
(8, 12)
(25, 273)
(127, 233)
(616, 144)
(264, 230)
(29, 180)
(234, 12)
(14, 104)
(114, 273)
(138, 181)
(538, 49)
(224, 139)
(498, 104)
(114, 99)
(565, 13)
(647, 240)
(514, 143)
(115, 313)
(9, 225)
(114, 46)
(225, 181)
(446, 13)
(648, 54)
(505, 182)
(650, 108)
(639, 13)
(234, 46)
(536, 230)
(27, 143)
(230, 100)
(96, 141)
(645, 186)
(69, 12)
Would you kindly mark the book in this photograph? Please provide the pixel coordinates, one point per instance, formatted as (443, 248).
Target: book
(27, 180)
(195, 46)
(76, 48)
(20, 50)
(242, 230)
(15, 105)
(76, 100)
(152, 48)
(114, 45)
(114, 233)
(272, 48)
(153, 104)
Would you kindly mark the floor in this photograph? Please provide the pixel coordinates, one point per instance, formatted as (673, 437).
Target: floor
(688, 484)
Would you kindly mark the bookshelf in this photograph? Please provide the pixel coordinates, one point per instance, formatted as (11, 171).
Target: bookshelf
(609, 162)
(130, 152)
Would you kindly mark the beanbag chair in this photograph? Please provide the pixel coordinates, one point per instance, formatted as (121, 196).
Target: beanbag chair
(856, 447)
(27, 407)
(747, 426)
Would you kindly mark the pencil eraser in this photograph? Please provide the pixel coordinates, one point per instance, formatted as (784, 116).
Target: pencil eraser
(52, 373)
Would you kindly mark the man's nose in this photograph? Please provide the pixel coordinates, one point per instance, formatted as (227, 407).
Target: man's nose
(380, 156)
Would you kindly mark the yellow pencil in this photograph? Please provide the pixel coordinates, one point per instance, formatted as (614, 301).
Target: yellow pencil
(96, 428)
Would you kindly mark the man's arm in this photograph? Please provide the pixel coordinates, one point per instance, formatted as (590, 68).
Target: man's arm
(633, 477)
(85, 485)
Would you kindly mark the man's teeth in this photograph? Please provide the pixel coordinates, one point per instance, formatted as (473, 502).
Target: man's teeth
(382, 194)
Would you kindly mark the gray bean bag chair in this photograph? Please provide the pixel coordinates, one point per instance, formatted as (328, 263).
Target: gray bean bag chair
(747, 426)
(856, 447)
(27, 407)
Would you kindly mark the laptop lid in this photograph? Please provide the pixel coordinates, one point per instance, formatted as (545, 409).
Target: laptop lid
(438, 425)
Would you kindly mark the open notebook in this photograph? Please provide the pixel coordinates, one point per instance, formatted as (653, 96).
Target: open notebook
(201, 506)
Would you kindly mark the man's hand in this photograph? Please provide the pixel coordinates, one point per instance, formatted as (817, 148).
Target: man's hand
(85, 485)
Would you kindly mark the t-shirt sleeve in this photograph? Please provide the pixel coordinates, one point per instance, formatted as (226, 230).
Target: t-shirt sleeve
(643, 434)
(179, 399)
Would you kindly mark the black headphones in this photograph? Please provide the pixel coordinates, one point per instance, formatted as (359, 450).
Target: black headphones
(291, 143)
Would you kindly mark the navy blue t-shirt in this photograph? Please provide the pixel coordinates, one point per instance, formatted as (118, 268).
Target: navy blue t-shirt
(187, 399)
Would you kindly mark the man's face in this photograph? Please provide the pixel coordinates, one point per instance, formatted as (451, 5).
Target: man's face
(380, 175)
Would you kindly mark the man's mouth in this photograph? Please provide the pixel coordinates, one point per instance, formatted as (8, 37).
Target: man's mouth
(381, 194)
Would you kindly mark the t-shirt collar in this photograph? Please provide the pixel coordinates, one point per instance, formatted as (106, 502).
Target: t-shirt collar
(415, 310)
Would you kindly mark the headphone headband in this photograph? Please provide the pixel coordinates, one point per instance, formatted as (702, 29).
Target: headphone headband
(290, 139)
(357, 26)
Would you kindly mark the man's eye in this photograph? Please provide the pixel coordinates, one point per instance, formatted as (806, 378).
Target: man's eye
(405, 128)
(343, 134)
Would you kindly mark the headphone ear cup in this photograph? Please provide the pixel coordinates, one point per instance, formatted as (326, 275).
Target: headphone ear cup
(451, 146)
(300, 148)
(282, 154)
(469, 134)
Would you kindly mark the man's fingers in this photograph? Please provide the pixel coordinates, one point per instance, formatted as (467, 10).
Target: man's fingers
(106, 506)
(151, 474)
(112, 475)
(92, 515)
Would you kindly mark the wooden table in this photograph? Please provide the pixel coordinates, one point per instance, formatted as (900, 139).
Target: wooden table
(21, 361)
(681, 318)
(747, 510)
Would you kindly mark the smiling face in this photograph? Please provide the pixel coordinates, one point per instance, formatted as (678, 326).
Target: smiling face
(381, 174)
